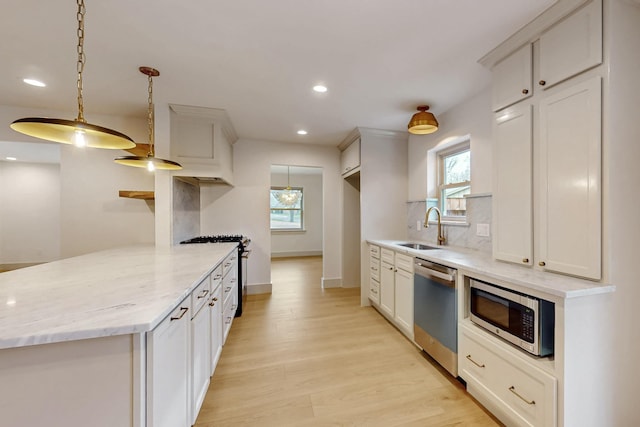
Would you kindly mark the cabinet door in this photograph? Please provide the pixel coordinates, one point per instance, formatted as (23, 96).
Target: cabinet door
(404, 301)
(215, 305)
(168, 370)
(200, 360)
(569, 210)
(513, 188)
(512, 78)
(350, 158)
(387, 288)
(571, 46)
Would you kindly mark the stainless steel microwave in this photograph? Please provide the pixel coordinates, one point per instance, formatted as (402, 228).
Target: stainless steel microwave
(523, 320)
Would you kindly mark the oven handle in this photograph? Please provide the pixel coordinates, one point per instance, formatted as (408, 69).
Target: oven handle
(442, 278)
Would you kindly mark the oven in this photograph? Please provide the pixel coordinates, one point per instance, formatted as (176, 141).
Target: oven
(243, 256)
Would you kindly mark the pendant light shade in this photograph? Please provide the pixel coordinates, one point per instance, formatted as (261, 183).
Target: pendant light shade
(288, 196)
(77, 131)
(149, 162)
(423, 122)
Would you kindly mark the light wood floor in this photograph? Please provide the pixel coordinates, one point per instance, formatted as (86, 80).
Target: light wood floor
(304, 356)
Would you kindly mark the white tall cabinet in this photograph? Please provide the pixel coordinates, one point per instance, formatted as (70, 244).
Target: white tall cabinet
(547, 150)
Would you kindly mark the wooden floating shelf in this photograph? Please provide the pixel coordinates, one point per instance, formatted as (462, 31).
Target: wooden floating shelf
(132, 194)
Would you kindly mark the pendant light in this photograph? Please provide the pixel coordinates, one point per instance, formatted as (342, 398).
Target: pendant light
(149, 161)
(423, 122)
(77, 131)
(288, 197)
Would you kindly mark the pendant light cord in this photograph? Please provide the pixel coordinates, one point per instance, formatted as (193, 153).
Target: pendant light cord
(150, 117)
(81, 58)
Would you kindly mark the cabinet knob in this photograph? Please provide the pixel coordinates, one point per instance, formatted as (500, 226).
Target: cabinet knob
(525, 91)
(542, 263)
(542, 82)
(525, 260)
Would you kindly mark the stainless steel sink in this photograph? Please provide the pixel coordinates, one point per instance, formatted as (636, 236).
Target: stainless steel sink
(418, 246)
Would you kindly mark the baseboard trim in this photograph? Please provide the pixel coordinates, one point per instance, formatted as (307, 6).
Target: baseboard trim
(295, 254)
(259, 288)
(331, 283)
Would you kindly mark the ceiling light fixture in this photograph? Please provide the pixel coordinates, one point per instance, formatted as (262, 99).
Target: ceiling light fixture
(320, 88)
(77, 131)
(11, 158)
(288, 196)
(423, 122)
(302, 132)
(149, 161)
(34, 82)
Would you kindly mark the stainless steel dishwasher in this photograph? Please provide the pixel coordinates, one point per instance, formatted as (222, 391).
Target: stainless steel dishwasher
(435, 308)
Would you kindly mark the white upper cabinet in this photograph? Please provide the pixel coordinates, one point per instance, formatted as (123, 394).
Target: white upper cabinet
(572, 45)
(569, 208)
(513, 185)
(512, 78)
(350, 159)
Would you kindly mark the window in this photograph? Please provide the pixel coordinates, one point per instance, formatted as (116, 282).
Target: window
(286, 216)
(454, 181)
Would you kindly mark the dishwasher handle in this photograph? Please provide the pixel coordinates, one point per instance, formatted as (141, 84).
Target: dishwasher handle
(447, 279)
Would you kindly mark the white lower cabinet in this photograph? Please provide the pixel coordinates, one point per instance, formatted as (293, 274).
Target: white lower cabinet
(374, 274)
(168, 370)
(515, 390)
(404, 293)
(387, 288)
(200, 348)
(215, 308)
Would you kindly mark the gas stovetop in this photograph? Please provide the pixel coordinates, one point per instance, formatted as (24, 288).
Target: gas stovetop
(219, 238)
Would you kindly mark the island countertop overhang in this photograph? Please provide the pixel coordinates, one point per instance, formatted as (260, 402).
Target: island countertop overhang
(113, 292)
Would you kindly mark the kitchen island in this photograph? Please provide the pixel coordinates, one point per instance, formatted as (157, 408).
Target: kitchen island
(74, 332)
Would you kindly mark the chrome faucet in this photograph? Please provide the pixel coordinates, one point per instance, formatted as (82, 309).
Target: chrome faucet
(441, 238)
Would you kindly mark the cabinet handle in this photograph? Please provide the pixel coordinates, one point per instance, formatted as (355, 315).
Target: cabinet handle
(474, 362)
(542, 263)
(542, 82)
(374, 291)
(227, 289)
(203, 294)
(512, 389)
(525, 91)
(525, 260)
(184, 311)
(217, 276)
(213, 302)
(228, 320)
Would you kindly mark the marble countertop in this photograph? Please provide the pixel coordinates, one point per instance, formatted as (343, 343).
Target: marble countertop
(483, 264)
(113, 292)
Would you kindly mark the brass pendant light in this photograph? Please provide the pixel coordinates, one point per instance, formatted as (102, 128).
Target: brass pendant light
(77, 131)
(423, 122)
(288, 196)
(149, 161)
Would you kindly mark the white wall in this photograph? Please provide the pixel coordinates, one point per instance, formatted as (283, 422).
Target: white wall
(244, 208)
(470, 118)
(622, 206)
(29, 212)
(92, 216)
(309, 241)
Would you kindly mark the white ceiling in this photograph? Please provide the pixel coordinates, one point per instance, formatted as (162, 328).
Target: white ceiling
(259, 59)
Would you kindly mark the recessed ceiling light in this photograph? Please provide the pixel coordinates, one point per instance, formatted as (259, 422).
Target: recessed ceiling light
(34, 82)
(320, 88)
(11, 158)
(302, 132)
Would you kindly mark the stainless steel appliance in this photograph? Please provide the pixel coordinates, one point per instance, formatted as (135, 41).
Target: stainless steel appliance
(523, 320)
(434, 310)
(243, 255)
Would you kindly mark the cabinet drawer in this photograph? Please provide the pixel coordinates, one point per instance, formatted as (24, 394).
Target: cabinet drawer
(230, 263)
(216, 277)
(523, 393)
(374, 267)
(200, 296)
(404, 262)
(374, 291)
(387, 255)
(374, 251)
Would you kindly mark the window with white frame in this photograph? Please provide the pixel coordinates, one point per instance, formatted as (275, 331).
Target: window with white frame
(454, 181)
(286, 208)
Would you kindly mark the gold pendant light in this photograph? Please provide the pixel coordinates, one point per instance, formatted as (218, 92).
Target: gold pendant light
(423, 122)
(77, 131)
(149, 161)
(288, 196)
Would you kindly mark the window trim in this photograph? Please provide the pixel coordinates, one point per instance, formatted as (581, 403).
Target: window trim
(301, 209)
(441, 187)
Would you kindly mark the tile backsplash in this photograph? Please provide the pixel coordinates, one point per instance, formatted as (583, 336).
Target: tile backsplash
(463, 235)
